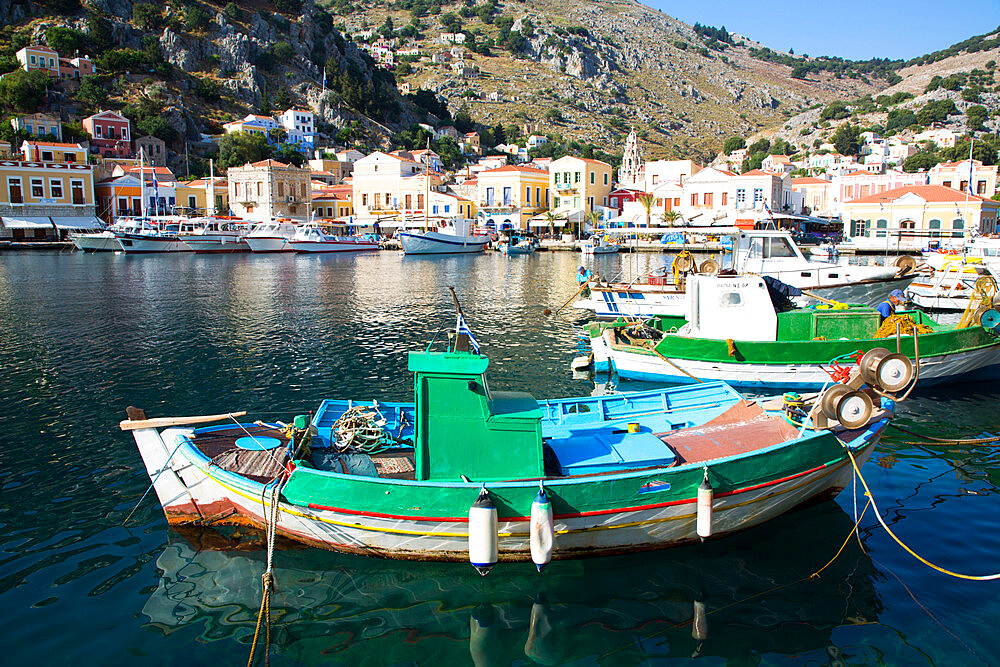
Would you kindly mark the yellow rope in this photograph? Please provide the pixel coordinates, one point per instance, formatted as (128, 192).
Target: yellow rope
(878, 515)
(906, 326)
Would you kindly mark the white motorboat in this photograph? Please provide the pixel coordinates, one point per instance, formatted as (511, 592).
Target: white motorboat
(953, 282)
(448, 236)
(313, 238)
(599, 245)
(159, 235)
(763, 252)
(104, 240)
(517, 245)
(216, 235)
(272, 236)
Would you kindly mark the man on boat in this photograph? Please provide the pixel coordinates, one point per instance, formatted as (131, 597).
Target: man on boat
(583, 277)
(888, 307)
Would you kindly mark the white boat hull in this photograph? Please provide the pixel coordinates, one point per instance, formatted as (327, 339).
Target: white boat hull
(99, 242)
(215, 243)
(330, 246)
(149, 244)
(268, 244)
(981, 363)
(436, 243)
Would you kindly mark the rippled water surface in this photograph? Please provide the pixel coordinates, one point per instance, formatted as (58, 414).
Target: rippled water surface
(82, 337)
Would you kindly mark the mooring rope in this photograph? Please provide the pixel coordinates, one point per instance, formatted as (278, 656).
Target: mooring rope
(270, 515)
(878, 515)
(951, 441)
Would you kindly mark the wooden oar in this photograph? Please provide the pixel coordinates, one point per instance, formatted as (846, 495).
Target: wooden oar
(813, 295)
(161, 422)
(582, 285)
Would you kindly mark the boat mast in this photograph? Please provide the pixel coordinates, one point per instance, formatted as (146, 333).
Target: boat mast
(210, 192)
(427, 183)
(142, 186)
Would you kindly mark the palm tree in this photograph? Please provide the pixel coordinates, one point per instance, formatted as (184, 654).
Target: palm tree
(647, 200)
(670, 217)
(551, 219)
(594, 218)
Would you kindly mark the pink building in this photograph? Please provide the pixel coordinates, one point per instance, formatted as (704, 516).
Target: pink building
(861, 183)
(110, 134)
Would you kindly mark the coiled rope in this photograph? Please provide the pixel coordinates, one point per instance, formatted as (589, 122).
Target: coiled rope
(878, 515)
(359, 430)
(267, 578)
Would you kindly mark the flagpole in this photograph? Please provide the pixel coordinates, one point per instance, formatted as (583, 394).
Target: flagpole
(968, 191)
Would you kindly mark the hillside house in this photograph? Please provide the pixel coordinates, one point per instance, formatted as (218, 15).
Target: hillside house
(110, 134)
(38, 125)
(153, 151)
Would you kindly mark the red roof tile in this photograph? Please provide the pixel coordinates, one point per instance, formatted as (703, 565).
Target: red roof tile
(929, 193)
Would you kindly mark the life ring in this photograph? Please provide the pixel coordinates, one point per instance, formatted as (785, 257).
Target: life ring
(709, 266)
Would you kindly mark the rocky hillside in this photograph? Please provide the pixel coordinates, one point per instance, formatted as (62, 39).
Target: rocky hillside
(586, 70)
(966, 79)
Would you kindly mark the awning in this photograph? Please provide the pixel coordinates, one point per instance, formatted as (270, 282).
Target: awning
(26, 223)
(85, 222)
(545, 223)
(381, 223)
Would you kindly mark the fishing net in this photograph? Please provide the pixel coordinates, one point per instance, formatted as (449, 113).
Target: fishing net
(361, 429)
(906, 326)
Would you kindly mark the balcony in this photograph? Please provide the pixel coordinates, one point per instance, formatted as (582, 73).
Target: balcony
(567, 186)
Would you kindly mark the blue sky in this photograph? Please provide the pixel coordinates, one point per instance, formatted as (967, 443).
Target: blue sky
(856, 29)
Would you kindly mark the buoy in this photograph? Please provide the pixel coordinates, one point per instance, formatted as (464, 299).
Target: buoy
(699, 624)
(543, 531)
(483, 533)
(990, 319)
(580, 363)
(704, 522)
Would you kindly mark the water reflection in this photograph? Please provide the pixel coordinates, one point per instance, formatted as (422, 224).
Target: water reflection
(757, 596)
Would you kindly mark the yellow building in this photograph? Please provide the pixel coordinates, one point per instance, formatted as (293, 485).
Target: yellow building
(40, 200)
(331, 201)
(578, 184)
(511, 195)
(46, 151)
(193, 196)
(919, 212)
(959, 174)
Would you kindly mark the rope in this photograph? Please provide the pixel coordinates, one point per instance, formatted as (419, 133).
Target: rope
(267, 578)
(950, 441)
(357, 429)
(906, 326)
(878, 515)
(166, 465)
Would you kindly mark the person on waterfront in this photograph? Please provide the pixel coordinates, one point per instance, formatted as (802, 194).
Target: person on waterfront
(583, 277)
(888, 307)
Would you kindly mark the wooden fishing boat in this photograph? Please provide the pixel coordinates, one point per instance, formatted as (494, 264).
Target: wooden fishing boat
(466, 472)
(733, 332)
(517, 245)
(314, 238)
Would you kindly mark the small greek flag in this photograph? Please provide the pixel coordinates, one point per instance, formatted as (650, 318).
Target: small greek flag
(156, 197)
(463, 328)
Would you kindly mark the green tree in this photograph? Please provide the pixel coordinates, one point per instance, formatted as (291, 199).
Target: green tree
(232, 11)
(282, 99)
(93, 91)
(23, 91)
(835, 111)
(65, 40)
(196, 18)
(760, 146)
(733, 144)
(977, 115)
(147, 16)
(920, 161)
(239, 148)
(846, 140)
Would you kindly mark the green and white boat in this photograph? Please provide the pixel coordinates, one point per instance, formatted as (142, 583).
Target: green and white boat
(466, 472)
(733, 332)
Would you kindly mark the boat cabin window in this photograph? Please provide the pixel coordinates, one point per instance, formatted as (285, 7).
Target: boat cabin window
(780, 247)
(730, 299)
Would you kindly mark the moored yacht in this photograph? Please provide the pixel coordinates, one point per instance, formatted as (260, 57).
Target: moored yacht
(443, 236)
(314, 238)
(272, 236)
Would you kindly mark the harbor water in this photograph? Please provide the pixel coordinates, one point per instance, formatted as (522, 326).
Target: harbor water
(84, 336)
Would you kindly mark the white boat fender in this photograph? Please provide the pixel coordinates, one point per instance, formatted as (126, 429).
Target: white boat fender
(541, 645)
(483, 533)
(699, 624)
(581, 363)
(543, 531)
(704, 521)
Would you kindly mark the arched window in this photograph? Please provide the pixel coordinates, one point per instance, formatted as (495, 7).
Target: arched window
(958, 225)
(935, 227)
(881, 228)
